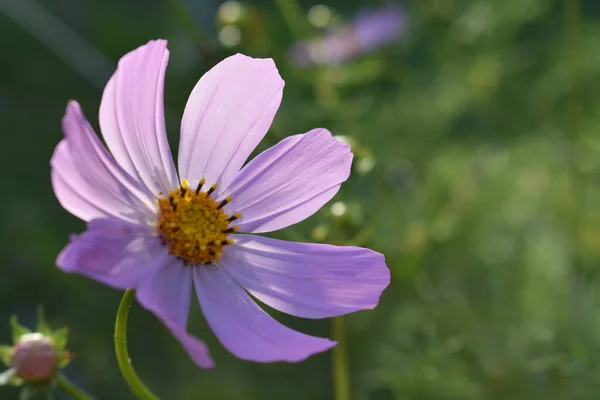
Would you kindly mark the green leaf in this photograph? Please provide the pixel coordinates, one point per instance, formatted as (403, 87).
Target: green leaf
(17, 330)
(6, 355)
(6, 377)
(42, 325)
(64, 358)
(60, 338)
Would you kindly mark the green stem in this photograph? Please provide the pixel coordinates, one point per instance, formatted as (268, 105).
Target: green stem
(365, 233)
(293, 15)
(341, 381)
(205, 47)
(70, 388)
(185, 17)
(577, 204)
(134, 382)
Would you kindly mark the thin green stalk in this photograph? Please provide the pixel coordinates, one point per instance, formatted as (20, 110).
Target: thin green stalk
(185, 17)
(70, 388)
(206, 47)
(365, 233)
(134, 382)
(576, 199)
(294, 17)
(341, 381)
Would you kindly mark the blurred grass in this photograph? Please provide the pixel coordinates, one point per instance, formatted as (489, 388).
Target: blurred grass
(468, 126)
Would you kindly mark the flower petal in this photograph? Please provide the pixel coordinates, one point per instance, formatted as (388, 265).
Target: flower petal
(307, 280)
(197, 349)
(167, 293)
(289, 181)
(243, 327)
(124, 256)
(227, 115)
(132, 117)
(88, 182)
(114, 252)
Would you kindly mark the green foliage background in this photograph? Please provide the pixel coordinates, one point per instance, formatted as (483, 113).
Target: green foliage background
(483, 129)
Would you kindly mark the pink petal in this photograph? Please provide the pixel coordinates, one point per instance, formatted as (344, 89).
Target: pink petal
(167, 293)
(228, 113)
(197, 349)
(243, 327)
(132, 117)
(289, 181)
(88, 182)
(114, 252)
(124, 256)
(307, 280)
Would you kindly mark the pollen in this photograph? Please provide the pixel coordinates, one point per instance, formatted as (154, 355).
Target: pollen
(194, 225)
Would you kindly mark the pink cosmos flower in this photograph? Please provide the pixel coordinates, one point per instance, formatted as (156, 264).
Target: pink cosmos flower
(160, 233)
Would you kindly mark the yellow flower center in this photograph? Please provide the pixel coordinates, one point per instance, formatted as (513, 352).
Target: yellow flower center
(194, 225)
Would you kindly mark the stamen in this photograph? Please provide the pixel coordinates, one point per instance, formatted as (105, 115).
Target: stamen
(193, 225)
(234, 217)
(234, 229)
(184, 187)
(212, 189)
(222, 204)
(200, 185)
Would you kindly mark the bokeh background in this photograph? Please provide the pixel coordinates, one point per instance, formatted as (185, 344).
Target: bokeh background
(476, 129)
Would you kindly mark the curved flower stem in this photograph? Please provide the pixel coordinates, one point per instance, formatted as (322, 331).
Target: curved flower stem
(70, 388)
(341, 382)
(134, 382)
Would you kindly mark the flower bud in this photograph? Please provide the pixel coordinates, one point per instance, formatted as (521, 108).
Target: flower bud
(34, 357)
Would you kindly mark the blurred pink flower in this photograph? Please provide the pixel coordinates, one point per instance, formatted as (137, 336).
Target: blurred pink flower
(35, 357)
(371, 29)
(151, 231)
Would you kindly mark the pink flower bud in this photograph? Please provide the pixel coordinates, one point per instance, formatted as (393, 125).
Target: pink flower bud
(34, 357)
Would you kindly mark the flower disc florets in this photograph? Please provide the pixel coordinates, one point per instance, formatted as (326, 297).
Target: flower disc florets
(34, 358)
(194, 225)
